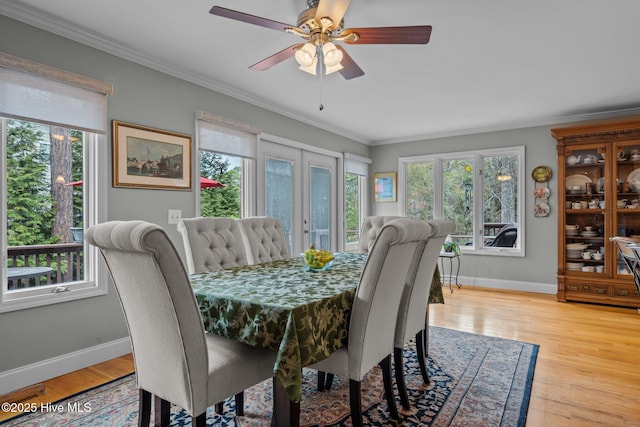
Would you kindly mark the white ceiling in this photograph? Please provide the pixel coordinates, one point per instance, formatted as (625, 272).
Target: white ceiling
(490, 65)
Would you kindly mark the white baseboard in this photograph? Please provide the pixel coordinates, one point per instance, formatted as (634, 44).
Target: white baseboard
(513, 285)
(34, 373)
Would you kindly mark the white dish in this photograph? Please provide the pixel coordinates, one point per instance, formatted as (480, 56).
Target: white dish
(541, 192)
(634, 179)
(577, 180)
(542, 209)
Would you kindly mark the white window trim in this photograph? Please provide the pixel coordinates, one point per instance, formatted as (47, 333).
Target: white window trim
(478, 227)
(95, 185)
(249, 183)
(95, 282)
(358, 165)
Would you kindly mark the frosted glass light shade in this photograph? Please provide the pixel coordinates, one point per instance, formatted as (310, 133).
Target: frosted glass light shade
(332, 55)
(306, 55)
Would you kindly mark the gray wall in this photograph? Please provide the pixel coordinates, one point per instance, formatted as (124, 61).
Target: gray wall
(539, 264)
(145, 97)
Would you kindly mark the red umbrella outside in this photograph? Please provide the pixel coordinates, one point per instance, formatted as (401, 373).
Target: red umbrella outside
(209, 183)
(204, 183)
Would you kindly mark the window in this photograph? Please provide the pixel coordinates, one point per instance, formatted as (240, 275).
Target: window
(479, 191)
(227, 154)
(51, 135)
(355, 198)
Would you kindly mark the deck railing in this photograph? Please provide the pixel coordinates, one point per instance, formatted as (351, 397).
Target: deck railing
(65, 260)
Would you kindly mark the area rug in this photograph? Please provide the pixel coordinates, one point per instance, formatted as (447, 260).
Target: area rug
(475, 381)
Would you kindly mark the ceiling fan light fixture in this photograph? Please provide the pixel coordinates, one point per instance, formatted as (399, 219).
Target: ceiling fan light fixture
(311, 69)
(328, 69)
(332, 55)
(306, 55)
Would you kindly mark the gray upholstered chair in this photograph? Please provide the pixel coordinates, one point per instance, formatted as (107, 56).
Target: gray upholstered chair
(369, 231)
(212, 244)
(412, 315)
(375, 309)
(175, 360)
(625, 246)
(266, 239)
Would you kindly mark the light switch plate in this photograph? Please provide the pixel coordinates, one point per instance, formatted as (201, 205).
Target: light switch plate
(175, 215)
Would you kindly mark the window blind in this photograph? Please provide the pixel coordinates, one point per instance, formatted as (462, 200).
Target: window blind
(226, 136)
(356, 165)
(45, 94)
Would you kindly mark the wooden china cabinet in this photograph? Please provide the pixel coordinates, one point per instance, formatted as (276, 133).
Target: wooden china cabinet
(598, 197)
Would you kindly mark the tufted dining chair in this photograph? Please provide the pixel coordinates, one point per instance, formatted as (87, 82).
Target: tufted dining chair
(369, 231)
(265, 238)
(175, 360)
(412, 315)
(375, 308)
(212, 243)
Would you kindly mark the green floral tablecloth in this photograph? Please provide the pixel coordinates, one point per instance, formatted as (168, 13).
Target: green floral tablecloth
(303, 315)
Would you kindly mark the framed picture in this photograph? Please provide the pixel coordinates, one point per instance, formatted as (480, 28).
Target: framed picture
(150, 158)
(384, 187)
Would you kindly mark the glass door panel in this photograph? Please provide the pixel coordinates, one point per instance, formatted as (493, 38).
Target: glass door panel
(585, 222)
(319, 201)
(279, 193)
(627, 200)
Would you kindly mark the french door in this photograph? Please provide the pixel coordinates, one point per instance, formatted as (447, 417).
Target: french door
(299, 187)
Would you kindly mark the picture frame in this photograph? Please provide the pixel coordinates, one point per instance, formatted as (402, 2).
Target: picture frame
(149, 158)
(384, 187)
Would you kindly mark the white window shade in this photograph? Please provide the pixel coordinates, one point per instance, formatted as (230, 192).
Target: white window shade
(356, 165)
(226, 136)
(36, 92)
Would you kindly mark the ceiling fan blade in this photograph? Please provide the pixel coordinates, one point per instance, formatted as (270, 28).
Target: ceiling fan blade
(334, 9)
(250, 19)
(350, 70)
(418, 34)
(276, 58)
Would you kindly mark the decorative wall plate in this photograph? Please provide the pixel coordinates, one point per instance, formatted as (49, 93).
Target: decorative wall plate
(541, 174)
(541, 192)
(542, 209)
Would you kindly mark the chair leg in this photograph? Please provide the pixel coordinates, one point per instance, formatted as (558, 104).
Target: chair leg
(144, 408)
(329, 382)
(321, 378)
(385, 364)
(200, 420)
(162, 412)
(240, 404)
(399, 370)
(355, 402)
(421, 338)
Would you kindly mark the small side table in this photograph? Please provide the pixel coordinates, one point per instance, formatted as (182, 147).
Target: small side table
(451, 256)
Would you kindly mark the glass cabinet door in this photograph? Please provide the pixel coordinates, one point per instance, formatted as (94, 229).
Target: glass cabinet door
(627, 195)
(585, 219)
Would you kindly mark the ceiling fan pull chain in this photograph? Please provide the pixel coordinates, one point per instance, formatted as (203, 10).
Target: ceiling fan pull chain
(321, 66)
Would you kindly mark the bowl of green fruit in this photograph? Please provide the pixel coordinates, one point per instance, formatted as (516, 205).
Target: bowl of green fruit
(317, 259)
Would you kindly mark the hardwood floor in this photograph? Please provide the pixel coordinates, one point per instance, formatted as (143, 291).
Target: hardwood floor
(588, 367)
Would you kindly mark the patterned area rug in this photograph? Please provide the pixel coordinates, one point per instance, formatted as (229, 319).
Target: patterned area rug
(475, 381)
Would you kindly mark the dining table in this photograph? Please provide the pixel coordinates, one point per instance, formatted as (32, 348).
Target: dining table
(300, 313)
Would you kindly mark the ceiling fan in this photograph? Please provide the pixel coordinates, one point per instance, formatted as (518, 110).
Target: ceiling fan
(320, 25)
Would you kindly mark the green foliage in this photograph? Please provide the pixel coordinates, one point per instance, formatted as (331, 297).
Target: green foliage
(352, 207)
(29, 204)
(76, 156)
(451, 247)
(420, 190)
(220, 201)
